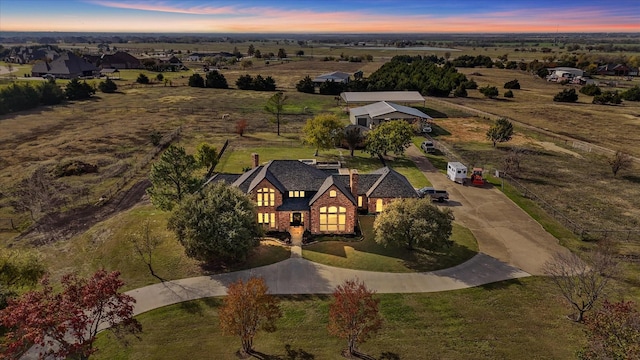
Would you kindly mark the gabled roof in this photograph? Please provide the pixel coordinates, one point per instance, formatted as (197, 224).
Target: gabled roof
(264, 173)
(333, 180)
(374, 96)
(294, 175)
(391, 184)
(382, 108)
(66, 64)
(337, 76)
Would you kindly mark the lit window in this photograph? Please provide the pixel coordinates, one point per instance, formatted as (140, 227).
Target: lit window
(267, 218)
(266, 197)
(332, 193)
(379, 205)
(359, 201)
(333, 218)
(296, 194)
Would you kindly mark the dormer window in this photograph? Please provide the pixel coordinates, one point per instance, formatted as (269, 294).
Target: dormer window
(333, 193)
(296, 194)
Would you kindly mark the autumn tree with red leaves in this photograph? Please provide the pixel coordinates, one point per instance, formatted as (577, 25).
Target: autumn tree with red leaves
(248, 308)
(613, 332)
(66, 324)
(354, 314)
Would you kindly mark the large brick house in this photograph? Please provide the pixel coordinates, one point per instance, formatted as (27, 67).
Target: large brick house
(293, 194)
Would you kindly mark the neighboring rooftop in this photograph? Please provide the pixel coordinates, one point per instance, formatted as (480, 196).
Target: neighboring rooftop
(375, 96)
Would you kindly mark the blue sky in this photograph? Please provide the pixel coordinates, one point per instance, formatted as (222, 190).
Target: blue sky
(372, 16)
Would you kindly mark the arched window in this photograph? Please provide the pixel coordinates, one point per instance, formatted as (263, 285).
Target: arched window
(266, 197)
(333, 218)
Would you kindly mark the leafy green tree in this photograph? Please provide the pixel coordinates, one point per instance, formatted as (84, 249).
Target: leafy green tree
(607, 97)
(353, 137)
(251, 51)
(489, 91)
(390, 136)
(513, 84)
(500, 131)
(77, 90)
(306, 85)
(159, 77)
(470, 84)
(19, 270)
(196, 80)
(216, 223)
(566, 95)
(590, 90)
(275, 106)
(323, 131)
(142, 79)
(508, 94)
(207, 157)
(244, 82)
(331, 88)
(172, 178)
(258, 54)
(108, 86)
(282, 54)
(632, 94)
(51, 93)
(414, 223)
(216, 80)
(460, 91)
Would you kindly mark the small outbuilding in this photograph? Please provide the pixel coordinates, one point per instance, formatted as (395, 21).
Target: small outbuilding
(336, 76)
(373, 114)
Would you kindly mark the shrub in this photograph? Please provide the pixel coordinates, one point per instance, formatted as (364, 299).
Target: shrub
(77, 90)
(632, 94)
(108, 86)
(196, 80)
(591, 90)
(513, 84)
(159, 77)
(508, 94)
(51, 93)
(566, 95)
(306, 85)
(216, 80)
(460, 91)
(607, 97)
(471, 84)
(142, 79)
(489, 91)
(155, 137)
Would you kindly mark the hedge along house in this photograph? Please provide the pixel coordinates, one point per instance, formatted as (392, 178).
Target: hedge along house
(373, 114)
(291, 195)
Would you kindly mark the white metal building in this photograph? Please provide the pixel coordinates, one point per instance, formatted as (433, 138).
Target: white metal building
(373, 114)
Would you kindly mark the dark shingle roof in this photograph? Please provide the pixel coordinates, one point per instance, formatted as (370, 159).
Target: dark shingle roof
(391, 184)
(294, 175)
(245, 179)
(294, 204)
(265, 173)
(333, 180)
(227, 178)
(67, 63)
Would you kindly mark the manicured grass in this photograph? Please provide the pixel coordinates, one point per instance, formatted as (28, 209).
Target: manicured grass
(508, 320)
(369, 255)
(106, 246)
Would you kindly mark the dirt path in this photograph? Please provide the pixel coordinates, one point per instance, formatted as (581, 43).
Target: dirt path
(66, 225)
(503, 230)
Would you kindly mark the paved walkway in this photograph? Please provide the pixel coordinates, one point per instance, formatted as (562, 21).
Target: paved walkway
(512, 245)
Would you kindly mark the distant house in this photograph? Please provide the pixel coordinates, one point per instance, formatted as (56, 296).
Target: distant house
(373, 114)
(294, 195)
(26, 55)
(336, 76)
(614, 70)
(67, 66)
(567, 72)
(119, 60)
(169, 63)
(196, 56)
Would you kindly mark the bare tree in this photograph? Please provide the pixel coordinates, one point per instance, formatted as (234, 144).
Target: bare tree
(144, 244)
(620, 161)
(582, 282)
(38, 194)
(512, 160)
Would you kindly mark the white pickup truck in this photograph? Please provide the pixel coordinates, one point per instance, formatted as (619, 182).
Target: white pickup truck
(439, 195)
(428, 146)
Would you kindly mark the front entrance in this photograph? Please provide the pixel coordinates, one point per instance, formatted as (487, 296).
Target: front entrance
(296, 219)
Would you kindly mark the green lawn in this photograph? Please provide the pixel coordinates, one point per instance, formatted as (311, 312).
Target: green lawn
(105, 245)
(509, 320)
(369, 255)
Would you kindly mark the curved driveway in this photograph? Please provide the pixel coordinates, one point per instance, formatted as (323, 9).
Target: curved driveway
(512, 245)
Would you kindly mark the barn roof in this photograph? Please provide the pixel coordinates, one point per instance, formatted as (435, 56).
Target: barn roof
(375, 96)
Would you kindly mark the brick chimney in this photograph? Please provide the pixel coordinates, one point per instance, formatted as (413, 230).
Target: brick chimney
(255, 159)
(353, 182)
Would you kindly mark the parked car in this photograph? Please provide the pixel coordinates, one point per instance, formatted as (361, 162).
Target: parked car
(428, 146)
(426, 128)
(438, 195)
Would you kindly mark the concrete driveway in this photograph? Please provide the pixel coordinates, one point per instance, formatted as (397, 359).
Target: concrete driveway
(503, 230)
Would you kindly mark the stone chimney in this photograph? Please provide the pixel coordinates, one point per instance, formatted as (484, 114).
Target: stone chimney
(353, 182)
(255, 158)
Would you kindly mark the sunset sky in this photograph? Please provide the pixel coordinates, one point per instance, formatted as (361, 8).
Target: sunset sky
(329, 16)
